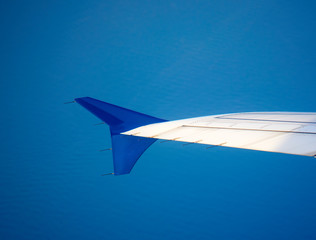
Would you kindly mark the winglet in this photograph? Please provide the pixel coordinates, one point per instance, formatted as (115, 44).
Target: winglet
(126, 149)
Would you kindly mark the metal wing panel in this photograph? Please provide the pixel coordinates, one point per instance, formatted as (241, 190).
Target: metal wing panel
(236, 138)
(292, 143)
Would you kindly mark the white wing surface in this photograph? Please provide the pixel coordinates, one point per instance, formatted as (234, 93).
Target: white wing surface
(284, 132)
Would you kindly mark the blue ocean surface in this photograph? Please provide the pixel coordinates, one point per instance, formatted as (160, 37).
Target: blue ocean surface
(171, 60)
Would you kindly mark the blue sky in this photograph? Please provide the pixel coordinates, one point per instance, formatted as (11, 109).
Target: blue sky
(171, 59)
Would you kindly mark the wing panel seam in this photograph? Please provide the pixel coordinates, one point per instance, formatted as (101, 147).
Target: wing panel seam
(264, 120)
(249, 129)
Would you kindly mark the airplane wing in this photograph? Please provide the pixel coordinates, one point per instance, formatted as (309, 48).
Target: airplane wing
(283, 132)
(133, 132)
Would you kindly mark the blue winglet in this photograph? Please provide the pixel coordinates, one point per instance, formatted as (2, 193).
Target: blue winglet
(126, 149)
